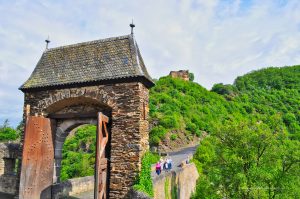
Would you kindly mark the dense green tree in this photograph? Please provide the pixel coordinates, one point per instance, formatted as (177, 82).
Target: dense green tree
(227, 90)
(7, 133)
(191, 77)
(249, 159)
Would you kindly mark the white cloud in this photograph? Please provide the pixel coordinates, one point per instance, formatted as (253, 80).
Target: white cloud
(217, 40)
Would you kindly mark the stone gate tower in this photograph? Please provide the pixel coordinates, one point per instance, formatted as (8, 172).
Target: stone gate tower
(70, 84)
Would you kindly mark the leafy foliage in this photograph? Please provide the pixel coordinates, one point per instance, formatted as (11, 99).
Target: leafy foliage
(7, 133)
(249, 159)
(252, 150)
(144, 181)
(270, 78)
(182, 105)
(256, 156)
(79, 153)
(173, 136)
(191, 77)
(271, 91)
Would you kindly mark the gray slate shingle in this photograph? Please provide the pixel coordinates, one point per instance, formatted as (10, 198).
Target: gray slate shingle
(106, 59)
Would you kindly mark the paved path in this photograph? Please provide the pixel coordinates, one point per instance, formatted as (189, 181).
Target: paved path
(177, 158)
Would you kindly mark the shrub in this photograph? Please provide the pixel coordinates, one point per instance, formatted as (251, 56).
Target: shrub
(198, 133)
(191, 127)
(154, 140)
(144, 180)
(158, 131)
(169, 122)
(224, 89)
(7, 133)
(191, 77)
(173, 136)
(289, 118)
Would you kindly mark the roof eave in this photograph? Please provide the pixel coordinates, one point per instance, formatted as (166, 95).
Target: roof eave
(142, 79)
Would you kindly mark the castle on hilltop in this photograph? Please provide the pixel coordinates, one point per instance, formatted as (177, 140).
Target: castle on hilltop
(181, 74)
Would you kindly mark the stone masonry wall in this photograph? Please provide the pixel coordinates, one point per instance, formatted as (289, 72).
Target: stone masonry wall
(144, 119)
(73, 186)
(8, 178)
(129, 126)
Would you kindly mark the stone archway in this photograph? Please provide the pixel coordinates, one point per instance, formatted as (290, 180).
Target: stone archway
(107, 73)
(61, 133)
(66, 115)
(126, 104)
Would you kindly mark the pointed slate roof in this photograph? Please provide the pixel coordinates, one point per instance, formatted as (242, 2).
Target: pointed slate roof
(109, 60)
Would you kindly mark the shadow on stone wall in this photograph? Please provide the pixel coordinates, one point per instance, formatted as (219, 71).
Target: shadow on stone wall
(70, 188)
(134, 194)
(6, 196)
(8, 178)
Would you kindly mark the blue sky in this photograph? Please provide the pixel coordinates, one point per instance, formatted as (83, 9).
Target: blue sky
(218, 40)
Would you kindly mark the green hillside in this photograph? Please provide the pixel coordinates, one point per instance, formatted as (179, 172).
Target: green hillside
(186, 106)
(253, 148)
(270, 78)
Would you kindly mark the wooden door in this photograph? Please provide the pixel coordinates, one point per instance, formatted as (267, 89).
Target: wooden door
(101, 160)
(37, 159)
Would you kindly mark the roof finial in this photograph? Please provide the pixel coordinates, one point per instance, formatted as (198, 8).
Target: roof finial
(132, 26)
(47, 42)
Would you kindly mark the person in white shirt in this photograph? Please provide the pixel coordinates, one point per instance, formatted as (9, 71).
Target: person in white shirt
(169, 163)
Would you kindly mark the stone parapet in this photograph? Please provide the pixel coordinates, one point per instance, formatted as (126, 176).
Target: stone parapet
(179, 183)
(73, 187)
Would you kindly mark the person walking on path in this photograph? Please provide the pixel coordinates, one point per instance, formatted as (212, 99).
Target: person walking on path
(188, 159)
(162, 164)
(166, 165)
(158, 168)
(169, 163)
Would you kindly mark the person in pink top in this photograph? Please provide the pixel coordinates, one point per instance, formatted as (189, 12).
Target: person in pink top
(158, 168)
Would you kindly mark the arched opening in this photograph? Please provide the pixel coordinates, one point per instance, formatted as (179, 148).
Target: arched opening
(78, 153)
(74, 121)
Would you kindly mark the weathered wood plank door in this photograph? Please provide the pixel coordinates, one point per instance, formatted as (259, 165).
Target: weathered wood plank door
(37, 159)
(101, 160)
